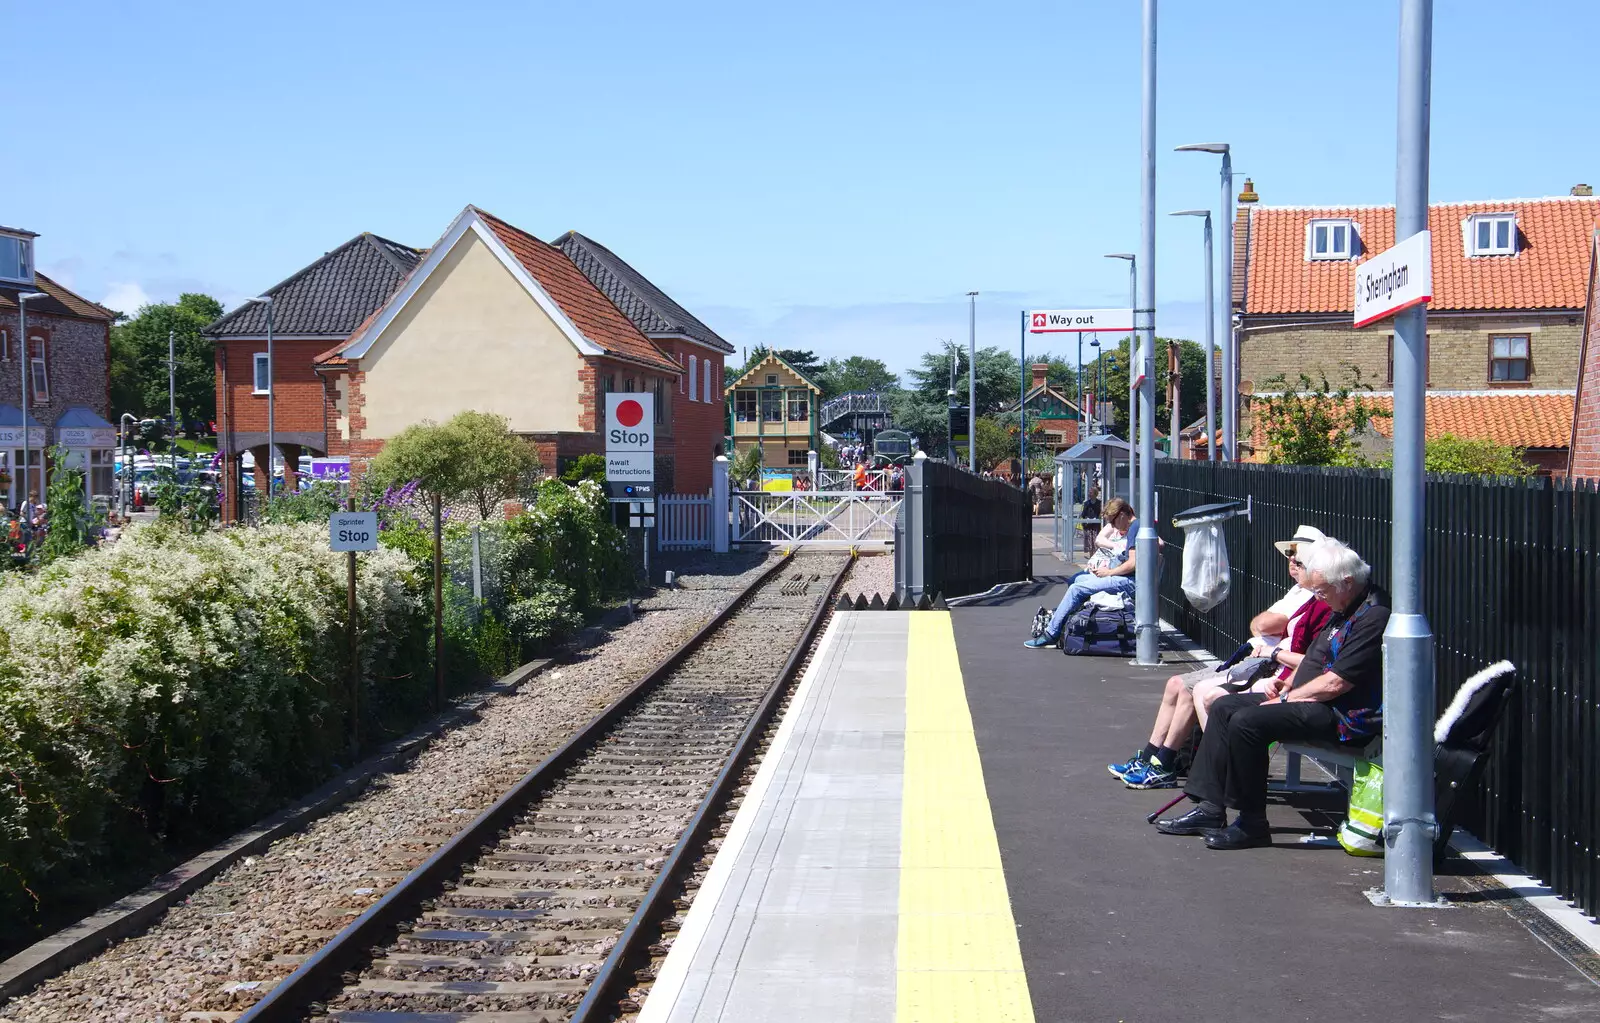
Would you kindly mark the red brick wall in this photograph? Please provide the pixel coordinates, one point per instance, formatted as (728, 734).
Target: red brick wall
(1586, 439)
(298, 407)
(698, 426)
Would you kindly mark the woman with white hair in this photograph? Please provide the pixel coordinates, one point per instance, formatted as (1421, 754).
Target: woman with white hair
(1335, 695)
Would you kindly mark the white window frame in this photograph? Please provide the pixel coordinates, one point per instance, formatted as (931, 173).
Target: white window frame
(694, 378)
(5, 346)
(256, 365)
(39, 368)
(682, 359)
(25, 250)
(1331, 224)
(1469, 231)
(706, 365)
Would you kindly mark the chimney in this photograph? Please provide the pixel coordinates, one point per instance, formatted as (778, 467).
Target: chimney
(1582, 190)
(1041, 370)
(1249, 193)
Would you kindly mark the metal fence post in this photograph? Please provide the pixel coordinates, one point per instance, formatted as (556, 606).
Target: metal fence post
(916, 529)
(719, 510)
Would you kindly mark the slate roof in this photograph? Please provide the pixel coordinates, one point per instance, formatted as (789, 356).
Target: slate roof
(650, 308)
(1549, 271)
(61, 302)
(595, 316)
(331, 297)
(1524, 419)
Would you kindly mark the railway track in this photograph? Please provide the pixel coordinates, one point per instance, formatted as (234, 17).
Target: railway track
(538, 911)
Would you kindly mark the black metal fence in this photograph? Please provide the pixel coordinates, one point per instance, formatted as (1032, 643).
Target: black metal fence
(1512, 571)
(958, 533)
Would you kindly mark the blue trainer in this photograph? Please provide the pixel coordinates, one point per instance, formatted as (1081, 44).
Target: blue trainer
(1134, 762)
(1044, 642)
(1151, 776)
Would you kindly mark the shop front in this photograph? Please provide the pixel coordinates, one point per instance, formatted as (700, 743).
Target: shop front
(15, 478)
(90, 444)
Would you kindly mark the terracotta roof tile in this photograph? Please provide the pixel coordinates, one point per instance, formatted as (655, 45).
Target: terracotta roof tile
(595, 316)
(1521, 419)
(61, 302)
(1549, 270)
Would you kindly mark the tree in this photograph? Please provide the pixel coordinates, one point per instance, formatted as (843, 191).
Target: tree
(1471, 456)
(473, 456)
(1114, 363)
(1315, 424)
(995, 443)
(801, 360)
(998, 377)
(139, 359)
(927, 419)
(856, 373)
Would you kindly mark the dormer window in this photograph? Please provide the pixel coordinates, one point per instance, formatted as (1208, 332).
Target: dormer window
(16, 259)
(1330, 239)
(1492, 234)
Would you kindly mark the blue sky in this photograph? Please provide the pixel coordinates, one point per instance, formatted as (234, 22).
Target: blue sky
(825, 175)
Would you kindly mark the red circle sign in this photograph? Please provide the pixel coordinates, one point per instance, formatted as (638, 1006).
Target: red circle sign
(629, 412)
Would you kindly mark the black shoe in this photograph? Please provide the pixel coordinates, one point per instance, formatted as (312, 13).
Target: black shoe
(1196, 822)
(1235, 837)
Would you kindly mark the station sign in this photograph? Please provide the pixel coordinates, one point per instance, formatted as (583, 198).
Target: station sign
(1395, 279)
(630, 429)
(353, 531)
(1079, 321)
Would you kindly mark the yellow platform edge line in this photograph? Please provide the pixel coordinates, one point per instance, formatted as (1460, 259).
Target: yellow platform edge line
(956, 955)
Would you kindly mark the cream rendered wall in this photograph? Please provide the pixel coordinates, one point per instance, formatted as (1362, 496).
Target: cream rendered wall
(471, 338)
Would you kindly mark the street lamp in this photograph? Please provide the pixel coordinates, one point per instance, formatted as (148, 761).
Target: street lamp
(972, 382)
(1133, 360)
(1211, 394)
(23, 298)
(1097, 379)
(1230, 353)
(272, 398)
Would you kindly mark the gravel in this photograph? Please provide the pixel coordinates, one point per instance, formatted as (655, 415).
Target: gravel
(220, 949)
(872, 573)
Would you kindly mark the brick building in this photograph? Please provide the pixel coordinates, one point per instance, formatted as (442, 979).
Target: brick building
(68, 371)
(1052, 416)
(496, 320)
(774, 409)
(1503, 327)
(1585, 436)
(315, 308)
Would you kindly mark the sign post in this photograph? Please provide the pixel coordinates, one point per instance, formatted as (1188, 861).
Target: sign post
(631, 460)
(353, 531)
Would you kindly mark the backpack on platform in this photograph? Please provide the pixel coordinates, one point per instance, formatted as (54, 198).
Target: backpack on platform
(1103, 631)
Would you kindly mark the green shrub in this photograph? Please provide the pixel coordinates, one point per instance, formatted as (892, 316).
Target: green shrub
(586, 467)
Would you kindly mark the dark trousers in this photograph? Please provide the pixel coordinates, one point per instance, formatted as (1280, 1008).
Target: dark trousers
(1231, 767)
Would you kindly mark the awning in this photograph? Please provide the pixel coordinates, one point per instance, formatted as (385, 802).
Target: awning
(1092, 449)
(82, 427)
(11, 428)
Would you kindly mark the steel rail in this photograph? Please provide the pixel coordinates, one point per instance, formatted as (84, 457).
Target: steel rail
(321, 973)
(596, 1003)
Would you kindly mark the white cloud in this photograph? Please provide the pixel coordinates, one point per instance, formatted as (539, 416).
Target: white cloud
(125, 297)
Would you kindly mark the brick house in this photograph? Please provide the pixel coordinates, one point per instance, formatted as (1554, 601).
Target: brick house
(315, 308)
(774, 408)
(1503, 327)
(1052, 416)
(68, 370)
(1585, 436)
(699, 413)
(496, 320)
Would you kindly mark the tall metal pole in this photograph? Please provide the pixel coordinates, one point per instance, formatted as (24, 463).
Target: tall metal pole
(1409, 824)
(1022, 406)
(1230, 354)
(1080, 386)
(26, 361)
(272, 398)
(1149, 651)
(1211, 354)
(172, 400)
(1133, 374)
(972, 382)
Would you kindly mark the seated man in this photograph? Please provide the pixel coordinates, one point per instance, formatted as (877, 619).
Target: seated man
(1117, 577)
(1335, 694)
(1297, 616)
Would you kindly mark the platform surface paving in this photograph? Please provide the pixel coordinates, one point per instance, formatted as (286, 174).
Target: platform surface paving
(934, 837)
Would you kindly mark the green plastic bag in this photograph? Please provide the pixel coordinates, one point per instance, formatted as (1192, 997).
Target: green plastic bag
(1361, 834)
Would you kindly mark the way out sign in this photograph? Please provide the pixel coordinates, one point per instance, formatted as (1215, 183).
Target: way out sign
(1396, 279)
(1079, 321)
(353, 531)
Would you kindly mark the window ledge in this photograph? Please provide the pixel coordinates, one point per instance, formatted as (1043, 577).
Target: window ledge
(261, 392)
(1510, 384)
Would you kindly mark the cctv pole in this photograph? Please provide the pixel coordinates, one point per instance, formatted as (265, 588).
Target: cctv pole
(1409, 824)
(972, 382)
(1211, 354)
(1149, 638)
(1230, 337)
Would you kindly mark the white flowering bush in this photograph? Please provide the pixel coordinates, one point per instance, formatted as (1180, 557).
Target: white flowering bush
(174, 684)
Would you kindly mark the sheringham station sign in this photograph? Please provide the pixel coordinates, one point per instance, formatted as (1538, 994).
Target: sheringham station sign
(1396, 279)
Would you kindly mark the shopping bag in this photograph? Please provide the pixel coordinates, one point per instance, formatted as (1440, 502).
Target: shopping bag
(1361, 834)
(1205, 565)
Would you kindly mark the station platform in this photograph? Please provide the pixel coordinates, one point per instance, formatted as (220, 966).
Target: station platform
(934, 837)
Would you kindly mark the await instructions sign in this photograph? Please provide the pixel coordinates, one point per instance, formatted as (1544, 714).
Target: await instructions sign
(1079, 321)
(631, 438)
(1396, 279)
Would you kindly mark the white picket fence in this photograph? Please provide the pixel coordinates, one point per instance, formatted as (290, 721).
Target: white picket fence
(683, 522)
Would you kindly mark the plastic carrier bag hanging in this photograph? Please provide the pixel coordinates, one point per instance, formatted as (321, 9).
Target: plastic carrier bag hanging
(1205, 551)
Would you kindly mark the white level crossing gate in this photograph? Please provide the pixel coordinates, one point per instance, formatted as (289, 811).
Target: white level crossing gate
(823, 518)
(683, 522)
